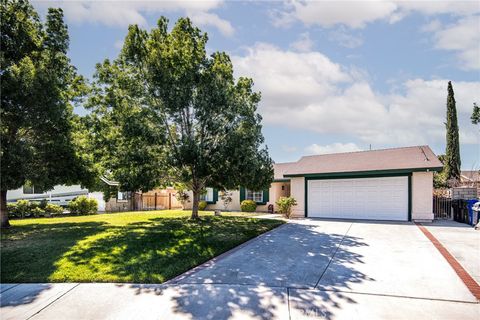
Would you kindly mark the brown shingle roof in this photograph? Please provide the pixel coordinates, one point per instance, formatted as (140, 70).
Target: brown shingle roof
(418, 157)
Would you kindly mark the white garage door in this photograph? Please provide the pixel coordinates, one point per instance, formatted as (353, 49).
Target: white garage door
(365, 198)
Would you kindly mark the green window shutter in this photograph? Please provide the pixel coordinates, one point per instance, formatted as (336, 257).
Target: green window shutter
(215, 195)
(242, 194)
(266, 195)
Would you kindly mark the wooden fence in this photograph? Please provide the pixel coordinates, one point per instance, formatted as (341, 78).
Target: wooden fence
(157, 201)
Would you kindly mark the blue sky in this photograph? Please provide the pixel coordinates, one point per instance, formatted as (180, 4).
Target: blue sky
(335, 76)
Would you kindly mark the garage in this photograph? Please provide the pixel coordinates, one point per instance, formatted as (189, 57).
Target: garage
(379, 198)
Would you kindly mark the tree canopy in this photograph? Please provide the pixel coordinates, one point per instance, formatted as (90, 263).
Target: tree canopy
(164, 111)
(39, 87)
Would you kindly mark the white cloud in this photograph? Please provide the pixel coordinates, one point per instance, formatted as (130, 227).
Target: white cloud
(358, 13)
(311, 92)
(330, 13)
(122, 13)
(211, 19)
(332, 148)
(345, 38)
(462, 37)
(303, 44)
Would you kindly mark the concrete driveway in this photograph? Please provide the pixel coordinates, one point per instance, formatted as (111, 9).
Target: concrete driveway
(305, 269)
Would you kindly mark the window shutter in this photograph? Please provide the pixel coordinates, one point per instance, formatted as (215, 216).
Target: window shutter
(266, 195)
(215, 195)
(242, 194)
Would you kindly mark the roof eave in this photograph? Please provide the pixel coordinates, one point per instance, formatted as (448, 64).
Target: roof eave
(367, 172)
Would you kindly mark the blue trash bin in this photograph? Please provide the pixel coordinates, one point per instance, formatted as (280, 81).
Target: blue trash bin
(470, 204)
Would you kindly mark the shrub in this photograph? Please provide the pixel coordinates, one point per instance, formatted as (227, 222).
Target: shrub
(13, 210)
(36, 211)
(226, 197)
(83, 205)
(23, 208)
(248, 206)
(202, 205)
(53, 209)
(285, 205)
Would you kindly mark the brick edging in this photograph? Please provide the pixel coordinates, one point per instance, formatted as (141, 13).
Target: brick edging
(466, 278)
(221, 256)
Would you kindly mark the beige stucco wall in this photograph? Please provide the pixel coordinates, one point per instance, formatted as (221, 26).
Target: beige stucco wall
(275, 192)
(422, 191)
(297, 191)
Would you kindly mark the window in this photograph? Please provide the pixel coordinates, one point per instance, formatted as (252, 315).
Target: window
(207, 196)
(256, 196)
(29, 188)
(122, 196)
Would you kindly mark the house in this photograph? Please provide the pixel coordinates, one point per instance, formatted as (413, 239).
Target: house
(122, 201)
(388, 184)
(60, 195)
(470, 178)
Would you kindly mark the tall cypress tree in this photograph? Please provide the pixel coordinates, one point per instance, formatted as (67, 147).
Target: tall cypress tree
(452, 155)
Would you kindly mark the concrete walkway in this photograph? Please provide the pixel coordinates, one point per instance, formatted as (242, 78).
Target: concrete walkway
(462, 241)
(305, 269)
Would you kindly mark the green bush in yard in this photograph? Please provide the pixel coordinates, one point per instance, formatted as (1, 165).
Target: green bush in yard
(202, 205)
(53, 209)
(83, 205)
(13, 210)
(285, 205)
(36, 211)
(23, 208)
(248, 206)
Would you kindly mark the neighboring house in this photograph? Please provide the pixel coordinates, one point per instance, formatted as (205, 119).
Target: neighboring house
(470, 178)
(388, 184)
(60, 195)
(123, 200)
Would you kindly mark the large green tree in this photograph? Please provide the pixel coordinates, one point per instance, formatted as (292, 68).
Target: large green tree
(452, 154)
(39, 85)
(164, 111)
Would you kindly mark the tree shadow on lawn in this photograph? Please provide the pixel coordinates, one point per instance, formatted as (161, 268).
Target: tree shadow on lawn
(30, 252)
(29, 255)
(256, 280)
(156, 250)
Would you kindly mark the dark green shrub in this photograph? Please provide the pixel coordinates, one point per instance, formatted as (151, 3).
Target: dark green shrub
(202, 205)
(83, 205)
(248, 206)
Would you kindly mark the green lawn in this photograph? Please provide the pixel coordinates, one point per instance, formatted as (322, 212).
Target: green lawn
(143, 247)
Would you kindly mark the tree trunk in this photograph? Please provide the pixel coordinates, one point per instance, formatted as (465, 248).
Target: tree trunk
(3, 210)
(196, 200)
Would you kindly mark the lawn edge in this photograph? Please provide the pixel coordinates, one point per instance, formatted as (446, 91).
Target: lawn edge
(208, 263)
